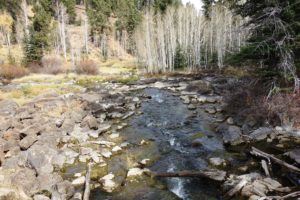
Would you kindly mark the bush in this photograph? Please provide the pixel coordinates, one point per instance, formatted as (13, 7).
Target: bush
(48, 65)
(287, 107)
(51, 65)
(12, 71)
(87, 67)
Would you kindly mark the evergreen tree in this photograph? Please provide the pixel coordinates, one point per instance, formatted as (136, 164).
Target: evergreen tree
(70, 5)
(39, 39)
(98, 13)
(274, 33)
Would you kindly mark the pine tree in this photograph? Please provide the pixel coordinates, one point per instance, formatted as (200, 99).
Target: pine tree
(39, 39)
(274, 34)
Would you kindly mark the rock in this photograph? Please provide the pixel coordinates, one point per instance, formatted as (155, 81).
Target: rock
(90, 121)
(211, 99)
(8, 107)
(103, 128)
(136, 172)
(27, 180)
(115, 115)
(217, 161)
(9, 194)
(136, 99)
(40, 197)
(77, 196)
(28, 141)
(160, 85)
(191, 107)
(124, 144)
(230, 121)
(70, 155)
(107, 183)
(211, 110)
(96, 157)
(186, 99)
(233, 136)
(78, 181)
(202, 99)
(86, 151)
(260, 134)
(114, 135)
(83, 158)
(68, 125)
(294, 155)
(116, 149)
(105, 153)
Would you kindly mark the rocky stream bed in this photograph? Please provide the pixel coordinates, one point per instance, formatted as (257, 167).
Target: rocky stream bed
(126, 132)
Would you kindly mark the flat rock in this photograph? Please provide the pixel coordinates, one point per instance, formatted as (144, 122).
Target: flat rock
(28, 141)
(260, 134)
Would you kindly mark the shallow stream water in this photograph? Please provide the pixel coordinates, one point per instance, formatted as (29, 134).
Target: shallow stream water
(169, 128)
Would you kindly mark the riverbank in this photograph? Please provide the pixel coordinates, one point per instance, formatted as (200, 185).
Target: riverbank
(127, 128)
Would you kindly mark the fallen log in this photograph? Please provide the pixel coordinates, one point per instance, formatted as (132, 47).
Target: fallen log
(216, 175)
(87, 190)
(269, 157)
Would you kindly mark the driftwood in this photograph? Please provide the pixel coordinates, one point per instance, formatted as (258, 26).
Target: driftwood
(87, 189)
(288, 196)
(270, 157)
(237, 188)
(216, 175)
(265, 167)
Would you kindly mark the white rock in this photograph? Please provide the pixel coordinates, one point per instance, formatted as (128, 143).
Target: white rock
(136, 172)
(107, 182)
(106, 153)
(114, 135)
(79, 181)
(77, 175)
(116, 149)
(230, 121)
(83, 158)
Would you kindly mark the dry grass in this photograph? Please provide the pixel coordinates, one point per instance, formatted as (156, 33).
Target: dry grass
(87, 67)
(12, 71)
(26, 92)
(52, 65)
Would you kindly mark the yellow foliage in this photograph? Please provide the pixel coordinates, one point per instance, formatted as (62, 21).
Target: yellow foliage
(6, 22)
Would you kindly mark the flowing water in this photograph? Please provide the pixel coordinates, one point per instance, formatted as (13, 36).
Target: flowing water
(169, 129)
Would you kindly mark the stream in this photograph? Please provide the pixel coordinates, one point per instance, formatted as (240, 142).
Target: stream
(169, 128)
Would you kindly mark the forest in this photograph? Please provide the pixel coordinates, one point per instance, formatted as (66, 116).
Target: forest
(149, 99)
